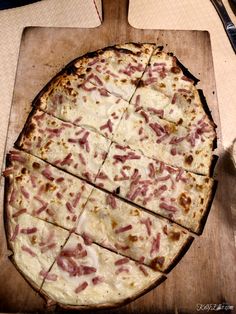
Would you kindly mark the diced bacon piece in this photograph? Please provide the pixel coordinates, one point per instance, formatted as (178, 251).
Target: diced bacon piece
(47, 173)
(161, 139)
(98, 279)
(132, 155)
(41, 209)
(48, 247)
(133, 196)
(76, 199)
(59, 195)
(110, 200)
(112, 74)
(158, 129)
(173, 151)
(81, 287)
(140, 131)
(121, 261)
(108, 126)
(165, 178)
(19, 212)
(67, 160)
(77, 120)
(143, 270)
(176, 140)
(47, 276)
(69, 207)
(103, 92)
(123, 229)
(18, 157)
(150, 80)
(15, 233)
(158, 112)
(94, 61)
(33, 181)
(59, 180)
(87, 239)
(7, 172)
(28, 250)
(24, 192)
(87, 176)
(135, 174)
(151, 170)
(28, 230)
(88, 270)
(39, 116)
(137, 100)
(185, 78)
(148, 223)
(97, 79)
(168, 207)
(144, 114)
(180, 176)
(122, 270)
(54, 132)
(160, 190)
(120, 158)
(155, 244)
(102, 176)
(174, 98)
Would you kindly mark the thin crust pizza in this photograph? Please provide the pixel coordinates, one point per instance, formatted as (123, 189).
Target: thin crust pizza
(110, 177)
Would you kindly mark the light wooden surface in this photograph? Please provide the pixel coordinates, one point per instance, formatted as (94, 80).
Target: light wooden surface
(206, 274)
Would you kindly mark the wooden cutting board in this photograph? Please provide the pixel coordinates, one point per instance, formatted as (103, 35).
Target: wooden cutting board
(206, 274)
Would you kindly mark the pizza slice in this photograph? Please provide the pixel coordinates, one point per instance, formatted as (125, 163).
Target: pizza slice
(189, 148)
(41, 190)
(93, 108)
(164, 74)
(90, 276)
(125, 229)
(174, 193)
(72, 148)
(116, 69)
(35, 245)
(186, 110)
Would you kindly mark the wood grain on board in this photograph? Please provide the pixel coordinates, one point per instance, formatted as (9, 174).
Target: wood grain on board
(206, 274)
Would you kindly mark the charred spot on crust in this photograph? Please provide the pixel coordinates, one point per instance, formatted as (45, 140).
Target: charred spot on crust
(81, 76)
(36, 165)
(170, 54)
(135, 82)
(30, 129)
(189, 159)
(117, 191)
(71, 70)
(180, 121)
(23, 170)
(132, 238)
(174, 236)
(175, 70)
(157, 261)
(185, 201)
(160, 48)
(141, 83)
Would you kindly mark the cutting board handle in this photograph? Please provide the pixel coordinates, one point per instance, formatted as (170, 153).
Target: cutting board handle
(115, 14)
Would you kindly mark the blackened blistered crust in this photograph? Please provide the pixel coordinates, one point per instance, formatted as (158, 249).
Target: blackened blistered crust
(180, 254)
(208, 207)
(6, 215)
(213, 164)
(186, 72)
(205, 106)
(109, 305)
(25, 129)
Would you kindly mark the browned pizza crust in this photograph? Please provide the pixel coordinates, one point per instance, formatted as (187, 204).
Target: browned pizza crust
(106, 305)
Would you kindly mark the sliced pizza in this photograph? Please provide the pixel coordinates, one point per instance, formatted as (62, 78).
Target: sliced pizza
(125, 229)
(35, 245)
(116, 69)
(182, 109)
(41, 190)
(90, 276)
(94, 108)
(164, 74)
(181, 196)
(176, 145)
(77, 150)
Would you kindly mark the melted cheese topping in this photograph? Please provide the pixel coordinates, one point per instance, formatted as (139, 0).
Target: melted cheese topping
(75, 149)
(45, 192)
(35, 252)
(148, 238)
(91, 107)
(113, 286)
(163, 140)
(153, 185)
